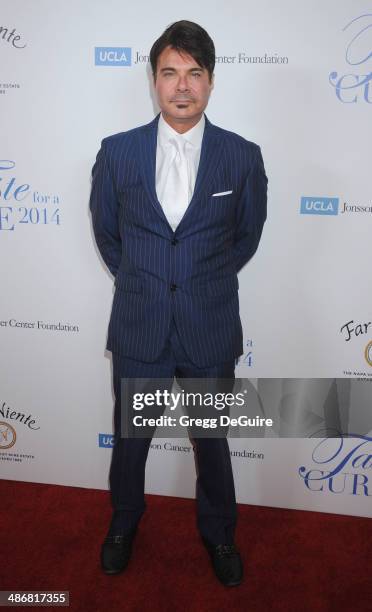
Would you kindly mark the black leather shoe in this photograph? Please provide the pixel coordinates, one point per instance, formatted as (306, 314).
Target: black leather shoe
(227, 563)
(116, 552)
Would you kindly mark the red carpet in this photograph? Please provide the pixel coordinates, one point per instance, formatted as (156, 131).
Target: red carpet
(294, 560)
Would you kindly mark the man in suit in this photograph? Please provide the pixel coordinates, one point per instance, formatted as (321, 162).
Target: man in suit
(178, 206)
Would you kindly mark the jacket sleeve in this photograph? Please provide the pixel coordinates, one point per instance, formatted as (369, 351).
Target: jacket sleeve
(104, 208)
(251, 212)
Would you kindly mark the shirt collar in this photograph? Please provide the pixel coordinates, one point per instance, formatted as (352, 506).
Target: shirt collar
(193, 136)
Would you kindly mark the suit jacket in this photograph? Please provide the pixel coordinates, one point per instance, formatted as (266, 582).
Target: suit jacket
(189, 274)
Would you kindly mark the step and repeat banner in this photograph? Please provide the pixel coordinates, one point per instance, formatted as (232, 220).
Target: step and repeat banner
(294, 77)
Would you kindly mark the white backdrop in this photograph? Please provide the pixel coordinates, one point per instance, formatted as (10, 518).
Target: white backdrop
(295, 77)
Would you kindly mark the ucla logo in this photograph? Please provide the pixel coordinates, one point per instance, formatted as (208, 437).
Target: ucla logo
(113, 56)
(105, 440)
(355, 86)
(319, 206)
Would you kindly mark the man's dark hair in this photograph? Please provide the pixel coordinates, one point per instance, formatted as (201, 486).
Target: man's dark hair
(189, 37)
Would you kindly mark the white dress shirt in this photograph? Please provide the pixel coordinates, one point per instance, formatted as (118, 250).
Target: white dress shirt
(165, 154)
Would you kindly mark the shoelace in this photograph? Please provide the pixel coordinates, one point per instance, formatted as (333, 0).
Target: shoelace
(225, 550)
(119, 539)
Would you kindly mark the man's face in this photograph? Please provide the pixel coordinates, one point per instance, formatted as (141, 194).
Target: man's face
(182, 88)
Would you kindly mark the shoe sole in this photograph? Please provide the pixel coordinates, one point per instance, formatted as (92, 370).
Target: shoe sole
(232, 584)
(112, 572)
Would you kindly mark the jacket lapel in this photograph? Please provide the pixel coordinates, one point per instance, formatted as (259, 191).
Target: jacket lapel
(146, 154)
(209, 157)
(210, 154)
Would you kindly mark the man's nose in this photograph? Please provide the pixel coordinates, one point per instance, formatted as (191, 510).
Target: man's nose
(182, 84)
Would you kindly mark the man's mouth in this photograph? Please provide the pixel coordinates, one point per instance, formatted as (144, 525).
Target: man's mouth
(182, 100)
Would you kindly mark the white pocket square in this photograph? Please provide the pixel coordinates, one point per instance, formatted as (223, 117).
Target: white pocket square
(221, 193)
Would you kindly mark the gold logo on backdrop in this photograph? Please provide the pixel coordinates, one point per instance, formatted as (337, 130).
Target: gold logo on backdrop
(368, 353)
(8, 435)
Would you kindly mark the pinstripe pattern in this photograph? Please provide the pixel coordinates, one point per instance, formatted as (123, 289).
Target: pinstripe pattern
(215, 238)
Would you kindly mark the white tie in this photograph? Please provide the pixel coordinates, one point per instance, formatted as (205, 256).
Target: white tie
(176, 193)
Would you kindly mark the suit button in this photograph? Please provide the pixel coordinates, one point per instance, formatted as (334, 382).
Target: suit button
(174, 241)
(173, 287)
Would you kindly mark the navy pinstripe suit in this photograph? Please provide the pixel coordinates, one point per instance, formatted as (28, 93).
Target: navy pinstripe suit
(176, 305)
(190, 274)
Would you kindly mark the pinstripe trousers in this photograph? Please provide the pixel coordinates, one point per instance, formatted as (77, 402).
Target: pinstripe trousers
(215, 492)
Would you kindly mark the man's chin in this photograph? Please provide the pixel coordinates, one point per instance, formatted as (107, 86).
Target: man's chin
(178, 114)
(182, 115)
